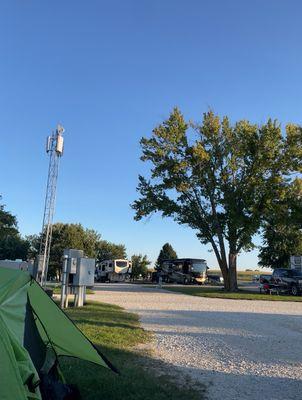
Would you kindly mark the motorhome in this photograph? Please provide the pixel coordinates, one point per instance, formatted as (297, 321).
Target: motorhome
(113, 270)
(183, 270)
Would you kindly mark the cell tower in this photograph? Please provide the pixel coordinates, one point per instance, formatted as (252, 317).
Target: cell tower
(54, 147)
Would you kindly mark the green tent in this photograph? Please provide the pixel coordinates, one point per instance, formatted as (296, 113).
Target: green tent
(34, 333)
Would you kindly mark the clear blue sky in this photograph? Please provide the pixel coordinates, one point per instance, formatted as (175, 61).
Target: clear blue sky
(109, 71)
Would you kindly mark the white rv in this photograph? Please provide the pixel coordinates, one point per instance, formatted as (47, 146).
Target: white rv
(113, 270)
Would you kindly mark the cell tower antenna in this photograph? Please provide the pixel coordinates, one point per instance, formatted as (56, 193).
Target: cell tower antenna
(54, 148)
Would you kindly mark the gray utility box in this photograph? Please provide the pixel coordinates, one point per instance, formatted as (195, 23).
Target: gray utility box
(73, 256)
(38, 264)
(73, 253)
(72, 265)
(84, 276)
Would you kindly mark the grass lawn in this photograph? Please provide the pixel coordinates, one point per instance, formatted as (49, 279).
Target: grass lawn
(241, 295)
(118, 335)
(57, 290)
(246, 276)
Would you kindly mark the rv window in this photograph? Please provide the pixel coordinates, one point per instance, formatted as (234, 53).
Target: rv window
(199, 267)
(177, 267)
(121, 264)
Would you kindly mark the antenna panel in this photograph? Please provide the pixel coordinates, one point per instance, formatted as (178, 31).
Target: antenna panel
(48, 144)
(60, 144)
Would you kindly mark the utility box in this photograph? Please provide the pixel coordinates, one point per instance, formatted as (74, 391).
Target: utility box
(84, 275)
(73, 253)
(72, 265)
(77, 273)
(38, 266)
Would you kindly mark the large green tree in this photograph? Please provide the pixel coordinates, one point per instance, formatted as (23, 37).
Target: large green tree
(217, 178)
(282, 235)
(66, 236)
(12, 245)
(139, 266)
(166, 253)
(110, 251)
(8, 223)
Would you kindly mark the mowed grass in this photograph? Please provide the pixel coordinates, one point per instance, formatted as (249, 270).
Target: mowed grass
(246, 276)
(221, 294)
(119, 336)
(57, 290)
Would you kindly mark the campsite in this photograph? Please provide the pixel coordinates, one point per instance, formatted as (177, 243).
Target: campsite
(150, 200)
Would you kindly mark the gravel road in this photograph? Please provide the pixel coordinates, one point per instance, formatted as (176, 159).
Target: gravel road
(240, 349)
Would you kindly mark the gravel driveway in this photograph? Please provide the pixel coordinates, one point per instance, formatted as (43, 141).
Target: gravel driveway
(240, 349)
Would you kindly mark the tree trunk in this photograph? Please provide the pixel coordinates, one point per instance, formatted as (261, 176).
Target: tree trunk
(228, 269)
(226, 276)
(233, 272)
(229, 273)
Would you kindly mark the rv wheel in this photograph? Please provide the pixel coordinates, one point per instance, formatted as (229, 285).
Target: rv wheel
(294, 290)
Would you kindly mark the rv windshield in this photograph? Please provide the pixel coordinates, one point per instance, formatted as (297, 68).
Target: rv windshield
(199, 267)
(121, 264)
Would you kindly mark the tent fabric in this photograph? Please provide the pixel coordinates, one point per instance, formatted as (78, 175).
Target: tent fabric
(32, 340)
(17, 370)
(12, 375)
(57, 330)
(34, 333)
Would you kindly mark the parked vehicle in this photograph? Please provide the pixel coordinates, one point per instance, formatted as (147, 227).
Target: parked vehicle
(113, 271)
(214, 279)
(256, 278)
(264, 283)
(286, 281)
(183, 270)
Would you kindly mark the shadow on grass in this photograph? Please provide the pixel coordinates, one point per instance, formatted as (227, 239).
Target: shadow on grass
(119, 336)
(141, 378)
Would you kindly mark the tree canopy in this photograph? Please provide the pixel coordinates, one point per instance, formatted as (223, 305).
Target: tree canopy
(281, 234)
(65, 236)
(12, 245)
(218, 178)
(110, 251)
(139, 265)
(8, 223)
(166, 253)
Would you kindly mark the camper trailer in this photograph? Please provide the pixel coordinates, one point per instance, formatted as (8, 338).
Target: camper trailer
(113, 271)
(183, 270)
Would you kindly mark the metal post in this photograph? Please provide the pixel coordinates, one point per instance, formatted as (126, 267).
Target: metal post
(76, 296)
(64, 278)
(81, 296)
(84, 295)
(66, 290)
